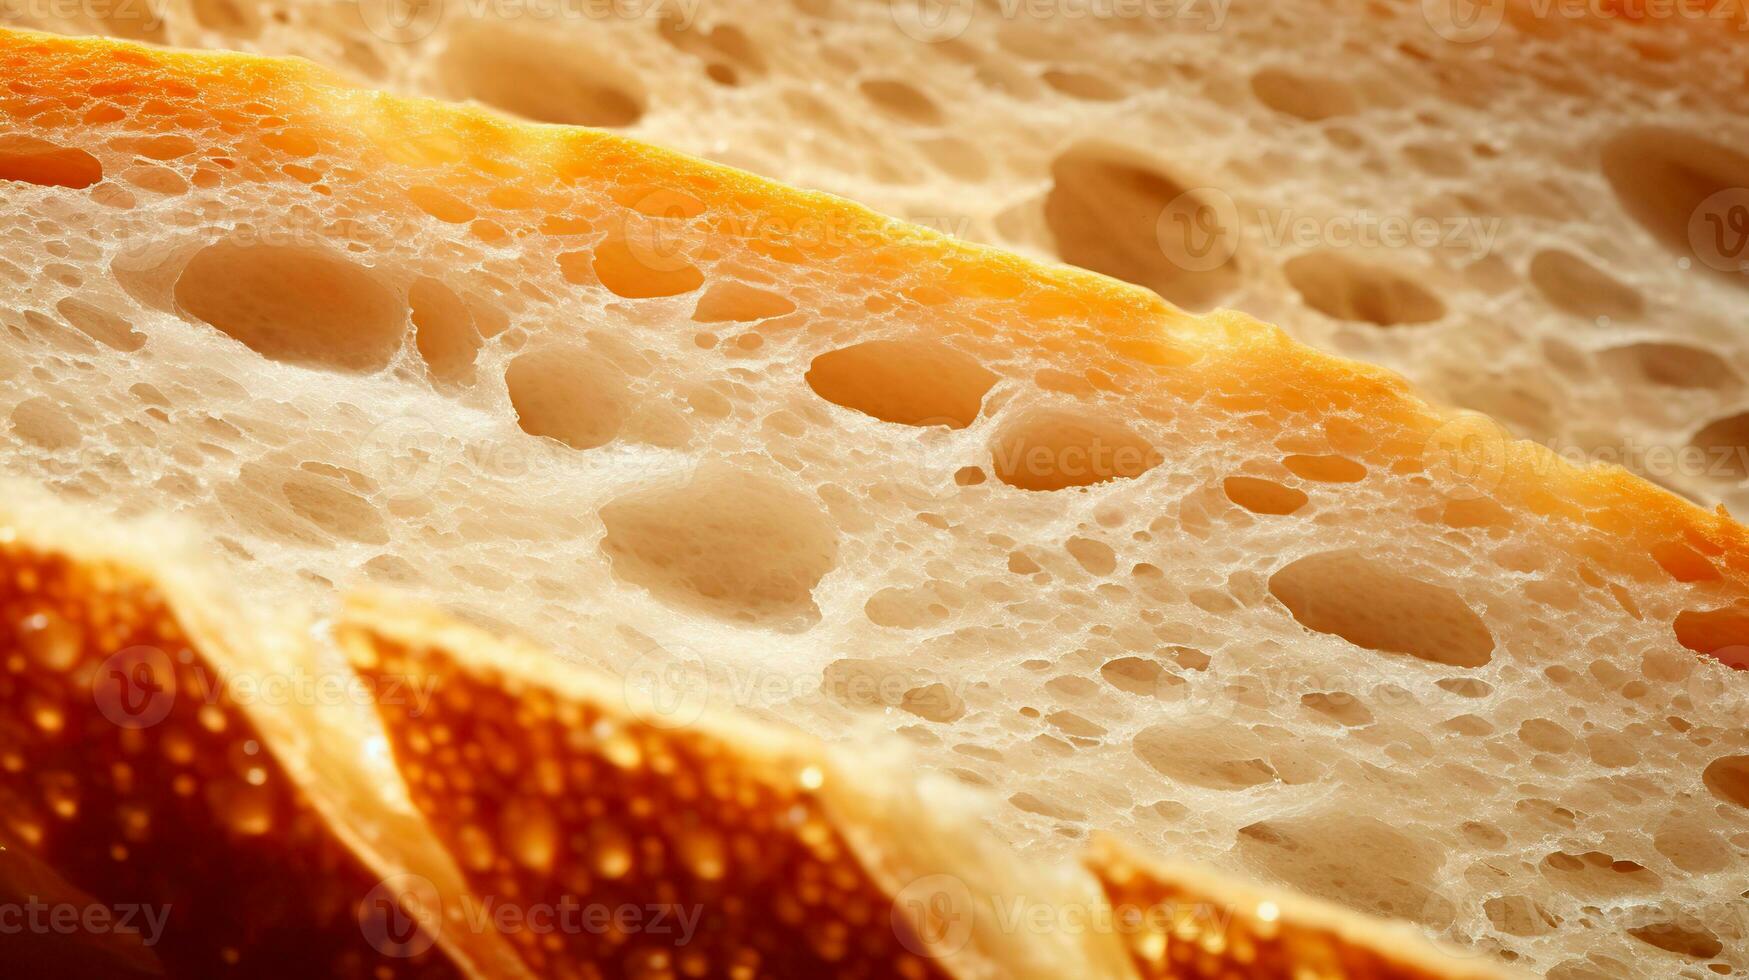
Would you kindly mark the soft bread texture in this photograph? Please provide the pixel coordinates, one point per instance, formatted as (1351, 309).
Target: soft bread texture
(785, 859)
(1533, 208)
(1177, 578)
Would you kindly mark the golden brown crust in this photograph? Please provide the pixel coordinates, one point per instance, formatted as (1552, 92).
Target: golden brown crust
(127, 769)
(1180, 924)
(669, 849)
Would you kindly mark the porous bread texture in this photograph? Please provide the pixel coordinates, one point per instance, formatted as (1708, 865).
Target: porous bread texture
(1560, 200)
(1127, 569)
(140, 772)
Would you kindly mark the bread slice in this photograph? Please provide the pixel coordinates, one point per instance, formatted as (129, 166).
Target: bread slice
(557, 829)
(1532, 208)
(1176, 578)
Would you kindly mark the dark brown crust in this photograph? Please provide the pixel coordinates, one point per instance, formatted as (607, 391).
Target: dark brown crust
(1190, 926)
(126, 768)
(719, 863)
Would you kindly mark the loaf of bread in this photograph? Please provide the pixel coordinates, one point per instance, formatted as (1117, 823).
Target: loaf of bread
(1535, 209)
(757, 451)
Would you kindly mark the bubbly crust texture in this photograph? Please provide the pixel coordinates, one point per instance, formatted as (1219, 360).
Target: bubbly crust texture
(1123, 568)
(581, 832)
(1533, 209)
(157, 802)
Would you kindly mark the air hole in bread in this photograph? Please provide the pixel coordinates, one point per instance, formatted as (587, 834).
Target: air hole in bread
(297, 305)
(911, 382)
(1325, 468)
(1373, 606)
(43, 423)
(728, 543)
(1686, 841)
(1057, 450)
(1728, 779)
(934, 702)
(638, 267)
(1082, 85)
(228, 17)
(1221, 757)
(1544, 735)
(1726, 442)
(1346, 289)
(1340, 707)
(735, 302)
(1672, 365)
(1307, 97)
(929, 604)
(1664, 179)
(567, 393)
(1356, 860)
(1684, 939)
(1113, 214)
(1596, 875)
(101, 325)
(35, 161)
(1095, 557)
(1140, 676)
(1683, 563)
(862, 683)
(902, 100)
(726, 50)
(324, 498)
(444, 332)
(546, 77)
(1261, 496)
(1518, 915)
(442, 205)
(1572, 284)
